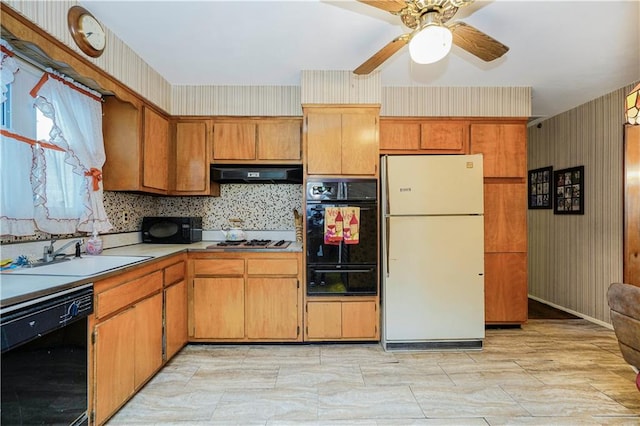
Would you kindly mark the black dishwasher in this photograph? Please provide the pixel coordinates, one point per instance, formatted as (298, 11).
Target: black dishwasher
(44, 359)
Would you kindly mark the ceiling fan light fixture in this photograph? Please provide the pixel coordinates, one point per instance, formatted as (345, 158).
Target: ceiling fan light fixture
(430, 44)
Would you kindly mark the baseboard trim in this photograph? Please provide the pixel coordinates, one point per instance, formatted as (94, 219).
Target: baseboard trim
(576, 313)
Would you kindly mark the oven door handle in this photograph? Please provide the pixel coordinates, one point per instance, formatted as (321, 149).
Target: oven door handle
(330, 271)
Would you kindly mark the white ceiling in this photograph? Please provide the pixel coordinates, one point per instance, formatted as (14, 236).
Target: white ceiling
(569, 52)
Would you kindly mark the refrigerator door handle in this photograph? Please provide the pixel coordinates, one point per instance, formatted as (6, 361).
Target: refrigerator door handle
(387, 242)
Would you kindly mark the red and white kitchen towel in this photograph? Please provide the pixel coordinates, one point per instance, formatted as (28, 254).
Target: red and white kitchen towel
(341, 224)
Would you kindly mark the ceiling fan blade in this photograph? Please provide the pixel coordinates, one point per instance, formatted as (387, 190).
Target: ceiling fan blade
(476, 42)
(382, 55)
(392, 6)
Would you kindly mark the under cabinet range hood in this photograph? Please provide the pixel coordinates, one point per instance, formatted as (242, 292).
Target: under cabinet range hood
(226, 173)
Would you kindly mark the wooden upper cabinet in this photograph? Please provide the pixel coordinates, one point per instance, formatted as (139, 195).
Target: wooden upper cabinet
(342, 140)
(191, 159)
(324, 144)
(359, 154)
(234, 141)
(250, 140)
(504, 147)
(156, 150)
(280, 140)
(423, 136)
(399, 135)
(136, 143)
(449, 137)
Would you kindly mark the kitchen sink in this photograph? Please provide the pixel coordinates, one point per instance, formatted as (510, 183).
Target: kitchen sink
(40, 262)
(78, 266)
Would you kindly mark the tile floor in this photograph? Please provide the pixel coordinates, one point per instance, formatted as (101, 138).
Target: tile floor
(549, 372)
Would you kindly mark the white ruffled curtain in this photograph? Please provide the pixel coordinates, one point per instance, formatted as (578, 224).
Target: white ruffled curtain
(8, 67)
(16, 201)
(77, 116)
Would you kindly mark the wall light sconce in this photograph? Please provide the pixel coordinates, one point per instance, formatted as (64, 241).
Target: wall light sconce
(632, 106)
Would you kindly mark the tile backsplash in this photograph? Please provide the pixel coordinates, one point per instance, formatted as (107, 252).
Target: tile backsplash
(261, 206)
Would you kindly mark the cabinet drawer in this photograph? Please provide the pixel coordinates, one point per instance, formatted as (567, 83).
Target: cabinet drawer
(126, 294)
(218, 266)
(174, 273)
(272, 267)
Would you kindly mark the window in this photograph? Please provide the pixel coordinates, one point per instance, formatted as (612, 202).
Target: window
(50, 162)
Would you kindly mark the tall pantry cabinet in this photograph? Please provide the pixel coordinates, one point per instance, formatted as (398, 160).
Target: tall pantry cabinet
(504, 149)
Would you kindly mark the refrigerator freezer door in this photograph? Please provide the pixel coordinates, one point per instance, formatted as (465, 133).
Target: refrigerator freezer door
(433, 282)
(433, 184)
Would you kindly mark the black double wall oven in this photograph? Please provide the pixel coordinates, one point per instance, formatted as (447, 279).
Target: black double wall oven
(342, 238)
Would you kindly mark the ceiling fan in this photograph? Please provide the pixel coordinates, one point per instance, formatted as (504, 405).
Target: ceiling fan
(432, 33)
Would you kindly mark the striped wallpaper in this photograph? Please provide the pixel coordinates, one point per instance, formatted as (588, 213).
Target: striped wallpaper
(574, 258)
(456, 101)
(236, 100)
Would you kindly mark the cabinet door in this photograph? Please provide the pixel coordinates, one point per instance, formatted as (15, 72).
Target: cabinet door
(632, 205)
(272, 308)
(234, 141)
(121, 132)
(191, 162)
(114, 363)
(359, 144)
(445, 137)
(148, 344)
(359, 320)
(279, 140)
(504, 148)
(324, 320)
(399, 135)
(505, 287)
(218, 305)
(156, 151)
(505, 217)
(324, 143)
(175, 318)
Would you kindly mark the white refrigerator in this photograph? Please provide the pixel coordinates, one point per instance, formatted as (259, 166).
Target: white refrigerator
(432, 252)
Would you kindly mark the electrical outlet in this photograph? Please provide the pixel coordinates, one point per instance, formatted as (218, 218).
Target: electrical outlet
(125, 217)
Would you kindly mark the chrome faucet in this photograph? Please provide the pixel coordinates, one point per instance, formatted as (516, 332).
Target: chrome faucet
(49, 254)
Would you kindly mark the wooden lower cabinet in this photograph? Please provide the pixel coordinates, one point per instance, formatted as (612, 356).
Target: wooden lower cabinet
(505, 284)
(218, 308)
(128, 352)
(148, 335)
(114, 364)
(128, 329)
(244, 297)
(272, 308)
(341, 320)
(175, 312)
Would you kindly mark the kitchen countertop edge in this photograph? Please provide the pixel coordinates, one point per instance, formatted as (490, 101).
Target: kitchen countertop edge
(156, 252)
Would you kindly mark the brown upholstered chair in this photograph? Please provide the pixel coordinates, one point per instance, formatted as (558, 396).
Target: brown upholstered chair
(624, 301)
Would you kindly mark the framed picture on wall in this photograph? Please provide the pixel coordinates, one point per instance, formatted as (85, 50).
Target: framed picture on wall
(569, 191)
(540, 188)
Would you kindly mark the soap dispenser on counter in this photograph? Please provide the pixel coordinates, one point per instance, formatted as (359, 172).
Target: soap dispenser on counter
(94, 244)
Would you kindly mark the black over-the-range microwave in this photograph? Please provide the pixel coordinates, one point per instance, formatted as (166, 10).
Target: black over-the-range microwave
(171, 230)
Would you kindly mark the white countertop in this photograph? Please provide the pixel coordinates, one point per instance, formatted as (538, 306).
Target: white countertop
(17, 288)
